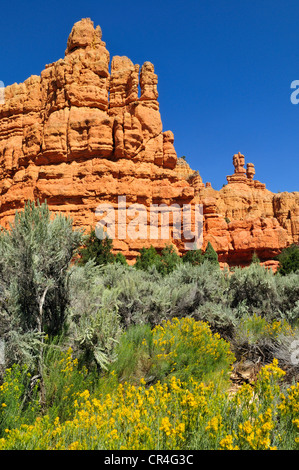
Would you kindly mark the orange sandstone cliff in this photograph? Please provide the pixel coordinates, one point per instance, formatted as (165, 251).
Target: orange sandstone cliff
(88, 130)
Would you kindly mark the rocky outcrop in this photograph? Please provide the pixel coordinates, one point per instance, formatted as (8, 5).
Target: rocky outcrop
(89, 129)
(245, 218)
(244, 176)
(81, 135)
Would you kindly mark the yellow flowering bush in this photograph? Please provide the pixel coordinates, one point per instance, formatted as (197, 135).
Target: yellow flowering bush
(157, 417)
(256, 434)
(173, 415)
(256, 327)
(251, 419)
(290, 402)
(289, 409)
(63, 381)
(267, 387)
(186, 347)
(13, 404)
(168, 414)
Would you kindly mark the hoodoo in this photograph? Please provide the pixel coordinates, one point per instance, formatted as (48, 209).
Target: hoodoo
(89, 129)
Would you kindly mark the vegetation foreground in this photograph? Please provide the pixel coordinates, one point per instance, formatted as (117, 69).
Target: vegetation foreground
(170, 354)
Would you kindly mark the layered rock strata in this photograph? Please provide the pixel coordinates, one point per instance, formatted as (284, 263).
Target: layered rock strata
(244, 217)
(88, 130)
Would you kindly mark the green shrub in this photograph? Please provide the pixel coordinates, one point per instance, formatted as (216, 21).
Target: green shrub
(255, 288)
(210, 254)
(129, 288)
(288, 296)
(254, 327)
(207, 283)
(34, 258)
(256, 338)
(193, 257)
(148, 257)
(187, 348)
(19, 402)
(64, 378)
(289, 260)
(169, 260)
(255, 259)
(221, 318)
(96, 249)
(93, 333)
(133, 354)
(181, 347)
(164, 263)
(196, 257)
(120, 258)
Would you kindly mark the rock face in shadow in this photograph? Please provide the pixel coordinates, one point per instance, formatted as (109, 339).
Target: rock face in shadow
(88, 130)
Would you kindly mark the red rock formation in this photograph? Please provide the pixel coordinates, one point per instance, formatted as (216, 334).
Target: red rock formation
(244, 217)
(80, 135)
(243, 176)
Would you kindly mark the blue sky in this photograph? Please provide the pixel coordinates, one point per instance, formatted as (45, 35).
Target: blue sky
(224, 66)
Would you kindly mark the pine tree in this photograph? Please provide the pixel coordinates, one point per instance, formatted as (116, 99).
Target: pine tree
(120, 258)
(210, 254)
(289, 260)
(169, 260)
(255, 259)
(147, 257)
(194, 257)
(96, 249)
